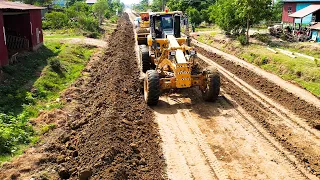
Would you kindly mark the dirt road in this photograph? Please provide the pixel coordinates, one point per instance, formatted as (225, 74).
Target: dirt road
(256, 130)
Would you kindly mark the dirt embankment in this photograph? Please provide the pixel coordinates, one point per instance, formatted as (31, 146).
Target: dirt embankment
(300, 107)
(111, 133)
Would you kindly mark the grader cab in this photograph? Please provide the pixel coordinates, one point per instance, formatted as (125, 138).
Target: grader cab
(169, 63)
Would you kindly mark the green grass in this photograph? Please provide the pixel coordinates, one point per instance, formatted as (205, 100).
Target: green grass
(63, 33)
(33, 85)
(303, 71)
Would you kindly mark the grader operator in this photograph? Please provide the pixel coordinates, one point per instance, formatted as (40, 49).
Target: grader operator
(169, 63)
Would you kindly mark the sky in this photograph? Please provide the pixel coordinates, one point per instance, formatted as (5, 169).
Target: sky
(130, 1)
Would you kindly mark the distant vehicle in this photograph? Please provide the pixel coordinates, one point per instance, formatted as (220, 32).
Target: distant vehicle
(137, 21)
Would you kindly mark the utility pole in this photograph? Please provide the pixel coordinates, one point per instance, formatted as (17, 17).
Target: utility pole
(163, 5)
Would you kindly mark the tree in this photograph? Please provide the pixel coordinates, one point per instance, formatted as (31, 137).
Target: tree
(276, 13)
(194, 16)
(100, 8)
(252, 11)
(223, 14)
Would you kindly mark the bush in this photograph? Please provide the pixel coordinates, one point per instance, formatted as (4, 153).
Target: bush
(89, 23)
(13, 131)
(114, 19)
(263, 38)
(55, 65)
(242, 39)
(56, 20)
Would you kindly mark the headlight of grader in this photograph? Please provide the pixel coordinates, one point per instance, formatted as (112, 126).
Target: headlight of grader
(192, 52)
(172, 53)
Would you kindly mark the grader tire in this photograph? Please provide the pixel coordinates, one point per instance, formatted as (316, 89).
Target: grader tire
(212, 90)
(152, 87)
(145, 58)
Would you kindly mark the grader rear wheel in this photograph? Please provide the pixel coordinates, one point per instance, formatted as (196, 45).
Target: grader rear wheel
(152, 87)
(212, 88)
(145, 58)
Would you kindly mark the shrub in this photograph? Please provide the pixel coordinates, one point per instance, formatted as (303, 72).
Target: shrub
(114, 19)
(89, 23)
(55, 65)
(13, 131)
(56, 20)
(242, 39)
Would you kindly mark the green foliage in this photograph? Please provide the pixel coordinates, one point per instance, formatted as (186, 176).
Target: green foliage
(194, 16)
(242, 39)
(142, 6)
(13, 131)
(55, 20)
(276, 12)
(32, 86)
(100, 8)
(46, 128)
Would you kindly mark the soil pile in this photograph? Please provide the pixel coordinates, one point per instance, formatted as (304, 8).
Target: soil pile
(110, 134)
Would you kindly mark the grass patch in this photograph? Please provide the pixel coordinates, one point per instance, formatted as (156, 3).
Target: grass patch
(32, 85)
(300, 70)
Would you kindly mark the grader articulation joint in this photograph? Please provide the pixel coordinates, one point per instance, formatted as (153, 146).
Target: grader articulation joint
(170, 64)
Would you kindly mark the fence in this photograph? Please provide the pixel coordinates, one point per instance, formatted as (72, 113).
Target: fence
(14, 42)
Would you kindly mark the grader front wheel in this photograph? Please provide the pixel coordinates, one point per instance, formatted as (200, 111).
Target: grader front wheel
(145, 58)
(212, 89)
(152, 87)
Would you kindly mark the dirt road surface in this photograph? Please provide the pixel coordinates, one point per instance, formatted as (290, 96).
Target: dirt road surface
(255, 130)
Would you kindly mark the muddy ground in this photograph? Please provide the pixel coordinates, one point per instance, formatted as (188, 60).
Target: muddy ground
(109, 133)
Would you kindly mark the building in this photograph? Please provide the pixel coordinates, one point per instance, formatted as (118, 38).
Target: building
(20, 29)
(297, 11)
(61, 3)
(91, 2)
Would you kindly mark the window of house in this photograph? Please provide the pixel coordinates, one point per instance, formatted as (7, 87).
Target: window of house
(289, 10)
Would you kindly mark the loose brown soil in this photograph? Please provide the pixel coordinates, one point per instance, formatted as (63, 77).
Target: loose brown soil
(110, 133)
(300, 107)
(268, 120)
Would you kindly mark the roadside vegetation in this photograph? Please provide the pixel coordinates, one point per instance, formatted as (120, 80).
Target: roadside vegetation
(300, 70)
(81, 19)
(33, 84)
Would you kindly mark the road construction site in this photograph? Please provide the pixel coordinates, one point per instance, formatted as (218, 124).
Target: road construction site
(257, 129)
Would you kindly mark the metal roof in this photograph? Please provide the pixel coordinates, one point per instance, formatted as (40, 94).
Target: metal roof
(316, 26)
(18, 6)
(306, 11)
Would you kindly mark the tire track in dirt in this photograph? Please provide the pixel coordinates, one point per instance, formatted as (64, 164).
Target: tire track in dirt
(300, 107)
(296, 139)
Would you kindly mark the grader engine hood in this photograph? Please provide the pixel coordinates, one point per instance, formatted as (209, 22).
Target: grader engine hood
(182, 70)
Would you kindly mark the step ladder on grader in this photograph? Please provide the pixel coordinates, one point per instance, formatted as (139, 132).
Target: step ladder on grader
(169, 63)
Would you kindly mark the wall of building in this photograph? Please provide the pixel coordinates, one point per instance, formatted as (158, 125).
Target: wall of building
(307, 19)
(3, 47)
(36, 27)
(285, 14)
(18, 25)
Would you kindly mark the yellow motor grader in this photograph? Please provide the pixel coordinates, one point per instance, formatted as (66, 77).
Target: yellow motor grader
(143, 28)
(169, 63)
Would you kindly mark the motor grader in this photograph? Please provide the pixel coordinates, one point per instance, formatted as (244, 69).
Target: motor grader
(169, 62)
(143, 29)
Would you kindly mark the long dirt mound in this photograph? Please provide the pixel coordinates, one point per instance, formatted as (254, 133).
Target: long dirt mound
(120, 140)
(110, 132)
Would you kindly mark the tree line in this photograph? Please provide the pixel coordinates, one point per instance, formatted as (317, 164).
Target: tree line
(232, 16)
